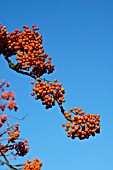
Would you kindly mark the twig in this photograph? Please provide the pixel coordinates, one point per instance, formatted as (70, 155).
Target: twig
(7, 162)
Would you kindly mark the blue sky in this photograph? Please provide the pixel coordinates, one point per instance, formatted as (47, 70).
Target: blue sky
(78, 34)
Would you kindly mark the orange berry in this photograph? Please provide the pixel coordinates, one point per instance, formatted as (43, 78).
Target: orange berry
(71, 109)
(68, 135)
(75, 108)
(55, 80)
(63, 125)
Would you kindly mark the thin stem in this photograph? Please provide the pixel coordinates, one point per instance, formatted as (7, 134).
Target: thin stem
(62, 110)
(17, 117)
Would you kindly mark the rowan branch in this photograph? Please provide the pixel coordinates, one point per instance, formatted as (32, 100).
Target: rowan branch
(16, 68)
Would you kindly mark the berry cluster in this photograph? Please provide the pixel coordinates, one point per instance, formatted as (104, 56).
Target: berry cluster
(3, 118)
(13, 133)
(81, 125)
(21, 148)
(3, 39)
(48, 92)
(8, 96)
(36, 164)
(28, 47)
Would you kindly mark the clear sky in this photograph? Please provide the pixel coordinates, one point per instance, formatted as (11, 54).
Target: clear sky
(78, 34)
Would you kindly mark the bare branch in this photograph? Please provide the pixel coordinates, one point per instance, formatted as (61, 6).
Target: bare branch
(7, 162)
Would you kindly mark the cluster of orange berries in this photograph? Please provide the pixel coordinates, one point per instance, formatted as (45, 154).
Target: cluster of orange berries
(28, 47)
(22, 148)
(48, 92)
(11, 103)
(36, 164)
(3, 118)
(81, 125)
(3, 39)
(10, 96)
(13, 133)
